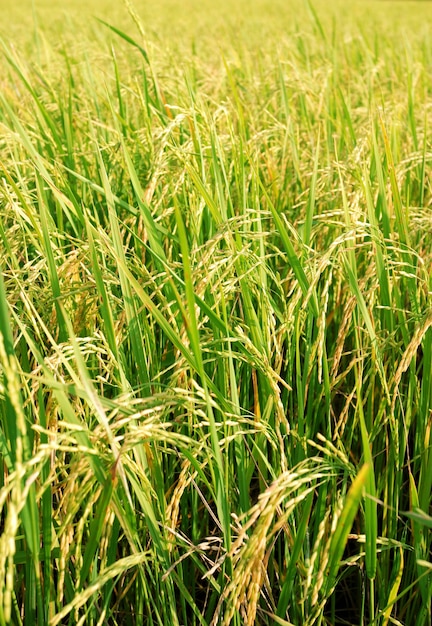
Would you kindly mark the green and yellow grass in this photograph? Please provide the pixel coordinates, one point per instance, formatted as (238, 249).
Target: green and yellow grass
(215, 313)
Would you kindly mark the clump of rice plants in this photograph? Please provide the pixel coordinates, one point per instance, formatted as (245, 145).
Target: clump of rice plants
(215, 315)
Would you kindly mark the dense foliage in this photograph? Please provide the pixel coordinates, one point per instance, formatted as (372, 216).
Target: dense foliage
(215, 315)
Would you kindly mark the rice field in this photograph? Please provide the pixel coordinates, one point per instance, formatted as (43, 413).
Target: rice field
(215, 313)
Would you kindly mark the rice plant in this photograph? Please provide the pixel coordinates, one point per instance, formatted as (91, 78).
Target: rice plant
(215, 314)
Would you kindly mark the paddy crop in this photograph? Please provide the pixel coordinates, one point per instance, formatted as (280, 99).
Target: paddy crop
(215, 313)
